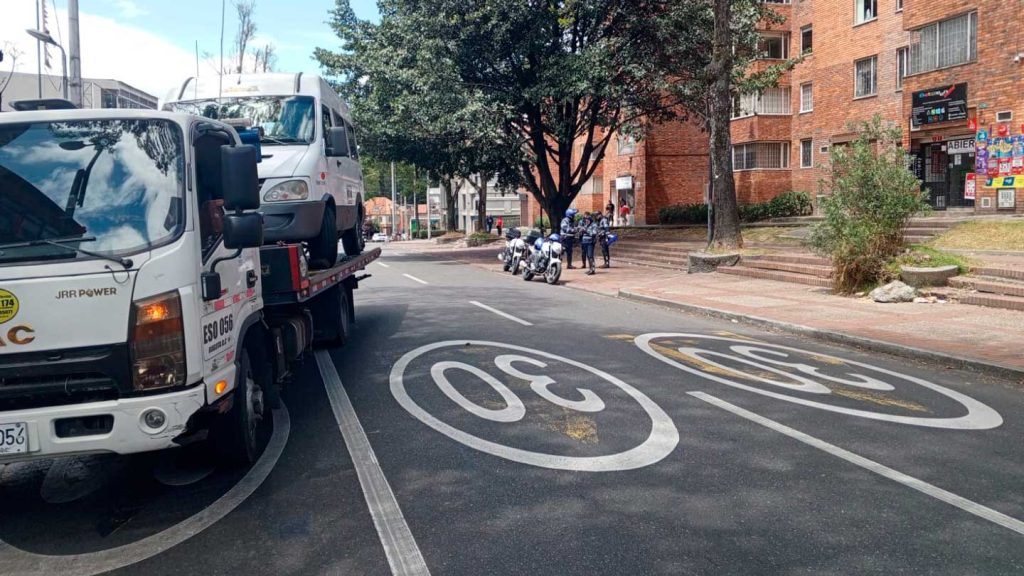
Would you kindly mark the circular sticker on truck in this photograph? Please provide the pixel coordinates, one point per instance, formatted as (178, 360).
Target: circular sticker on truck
(8, 306)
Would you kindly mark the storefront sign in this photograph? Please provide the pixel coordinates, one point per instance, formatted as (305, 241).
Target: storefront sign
(972, 124)
(624, 183)
(942, 104)
(971, 187)
(960, 147)
(1004, 129)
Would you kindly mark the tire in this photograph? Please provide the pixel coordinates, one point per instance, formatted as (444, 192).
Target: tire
(515, 266)
(237, 434)
(332, 317)
(352, 240)
(552, 274)
(527, 275)
(323, 250)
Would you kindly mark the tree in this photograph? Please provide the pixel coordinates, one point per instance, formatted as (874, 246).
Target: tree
(246, 30)
(264, 59)
(8, 52)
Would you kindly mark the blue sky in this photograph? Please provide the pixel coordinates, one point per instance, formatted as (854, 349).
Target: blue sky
(151, 43)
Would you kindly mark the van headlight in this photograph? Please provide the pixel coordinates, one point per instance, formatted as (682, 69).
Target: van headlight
(158, 343)
(287, 191)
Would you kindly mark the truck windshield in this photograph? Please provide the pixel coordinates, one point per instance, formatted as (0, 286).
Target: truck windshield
(284, 119)
(116, 184)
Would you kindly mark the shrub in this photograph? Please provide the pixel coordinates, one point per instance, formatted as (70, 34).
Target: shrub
(683, 214)
(873, 197)
(542, 222)
(784, 205)
(789, 204)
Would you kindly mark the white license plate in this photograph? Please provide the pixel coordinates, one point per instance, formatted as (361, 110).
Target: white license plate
(13, 438)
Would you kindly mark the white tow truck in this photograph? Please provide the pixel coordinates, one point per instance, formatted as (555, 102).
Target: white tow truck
(139, 309)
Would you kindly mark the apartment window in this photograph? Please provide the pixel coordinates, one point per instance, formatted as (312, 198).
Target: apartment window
(865, 10)
(770, 102)
(806, 154)
(806, 40)
(902, 66)
(866, 77)
(773, 47)
(899, 5)
(948, 43)
(806, 97)
(626, 144)
(761, 156)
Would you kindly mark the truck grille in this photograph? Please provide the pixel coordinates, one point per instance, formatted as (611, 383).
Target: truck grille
(39, 392)
(61, 377)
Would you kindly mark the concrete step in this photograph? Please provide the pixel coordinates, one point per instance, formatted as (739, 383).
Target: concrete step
(994, 301)
(808, 269)
(807, 259)
(988, 285)
(914, 239)
(668, 262)
(924, 230)
(644, 263)
(776, 275)
(674, 251)
(1007, 273)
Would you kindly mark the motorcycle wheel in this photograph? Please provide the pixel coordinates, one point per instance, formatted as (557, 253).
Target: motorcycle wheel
(527, 275)
(515, 266)
(552, 274)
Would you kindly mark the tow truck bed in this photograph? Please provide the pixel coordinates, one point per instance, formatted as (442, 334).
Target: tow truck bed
(286, 281)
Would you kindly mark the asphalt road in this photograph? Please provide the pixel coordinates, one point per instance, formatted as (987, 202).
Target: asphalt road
(479, 424)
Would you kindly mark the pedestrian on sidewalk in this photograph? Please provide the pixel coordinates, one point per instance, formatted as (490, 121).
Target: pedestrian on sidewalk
(500, 223)
(604, 228)
(568, 230)
(624, 214)
(490, 223)
(590, 232)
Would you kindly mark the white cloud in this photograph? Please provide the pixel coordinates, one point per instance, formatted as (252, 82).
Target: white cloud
(129, 9)
(110, 49)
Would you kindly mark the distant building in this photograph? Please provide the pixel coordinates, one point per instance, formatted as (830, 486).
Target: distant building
(96, 92)
(500, 202)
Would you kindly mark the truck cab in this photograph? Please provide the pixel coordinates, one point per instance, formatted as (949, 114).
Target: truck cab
(129, 283)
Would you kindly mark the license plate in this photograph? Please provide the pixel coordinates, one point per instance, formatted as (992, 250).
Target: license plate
(13, 438)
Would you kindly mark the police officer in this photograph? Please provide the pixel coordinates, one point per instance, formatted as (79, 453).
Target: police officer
(589, 237)
(568, 230)
(604, 229)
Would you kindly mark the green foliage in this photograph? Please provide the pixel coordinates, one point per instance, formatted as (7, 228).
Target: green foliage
(785, 205)
(928, 257)
(542, 222)
(873, 197)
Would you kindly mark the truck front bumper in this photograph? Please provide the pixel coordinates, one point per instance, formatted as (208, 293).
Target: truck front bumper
(82, 428)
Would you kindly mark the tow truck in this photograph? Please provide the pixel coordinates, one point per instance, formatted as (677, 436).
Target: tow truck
(139, 307)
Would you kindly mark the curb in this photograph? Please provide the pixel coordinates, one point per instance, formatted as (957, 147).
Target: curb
(870, 344)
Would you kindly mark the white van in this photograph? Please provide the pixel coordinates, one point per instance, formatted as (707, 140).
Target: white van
(311, 184)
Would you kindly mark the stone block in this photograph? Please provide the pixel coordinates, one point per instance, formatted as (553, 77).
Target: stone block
(698, 262)
(933, 276)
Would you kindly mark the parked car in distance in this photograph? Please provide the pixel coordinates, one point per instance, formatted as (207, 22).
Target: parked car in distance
(379, 237)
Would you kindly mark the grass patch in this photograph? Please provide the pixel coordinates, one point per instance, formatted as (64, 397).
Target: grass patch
(770, 235)
(926, 257)
(983, 235)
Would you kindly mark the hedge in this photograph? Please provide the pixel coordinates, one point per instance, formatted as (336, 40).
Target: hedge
(784, 205)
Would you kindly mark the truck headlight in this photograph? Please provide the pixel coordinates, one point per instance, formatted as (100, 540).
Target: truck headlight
(287, 190)
(158, 342)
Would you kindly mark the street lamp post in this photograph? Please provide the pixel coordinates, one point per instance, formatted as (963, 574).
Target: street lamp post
(45, 38)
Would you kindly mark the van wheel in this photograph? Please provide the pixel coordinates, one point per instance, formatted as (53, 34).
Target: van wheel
(238, 433)
(323, 250)
(352, 241)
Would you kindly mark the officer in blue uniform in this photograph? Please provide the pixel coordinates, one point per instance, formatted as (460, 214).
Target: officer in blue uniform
(568, 230)
(589, 237)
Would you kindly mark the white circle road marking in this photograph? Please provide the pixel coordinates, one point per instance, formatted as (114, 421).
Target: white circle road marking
(16, 562)
(978, 417)
(660, 443)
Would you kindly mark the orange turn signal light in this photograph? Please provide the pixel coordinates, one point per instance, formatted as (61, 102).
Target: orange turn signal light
(154, 312)
(220, 387)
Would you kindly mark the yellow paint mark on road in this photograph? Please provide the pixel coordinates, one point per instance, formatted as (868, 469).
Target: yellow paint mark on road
(622, 337)
(829, 360)
(876, 398)
(727, 334)
(697, 362)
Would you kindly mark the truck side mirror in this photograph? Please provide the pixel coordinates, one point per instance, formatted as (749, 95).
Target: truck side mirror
(239, 180)
(337, 142)
(243, 230)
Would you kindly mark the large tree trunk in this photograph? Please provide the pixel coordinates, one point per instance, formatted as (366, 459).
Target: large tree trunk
(481, 206)
(726, 226)
(451, 206)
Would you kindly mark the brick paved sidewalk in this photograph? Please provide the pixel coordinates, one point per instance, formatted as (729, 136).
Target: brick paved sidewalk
(962, 333)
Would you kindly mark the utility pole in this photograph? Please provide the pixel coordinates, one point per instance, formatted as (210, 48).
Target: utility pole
(75, 55)
(394, 199)
(39, 54)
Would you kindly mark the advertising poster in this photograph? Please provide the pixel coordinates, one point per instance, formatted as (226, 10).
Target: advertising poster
(971, 187)
(1004, 147)
(981, 152)
(942, 104)
(1017, 161)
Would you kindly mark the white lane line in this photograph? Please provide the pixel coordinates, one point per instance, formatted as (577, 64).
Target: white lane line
(400, 547)
(383, 264)
(880, 469)
(415, 279)
(500, 313)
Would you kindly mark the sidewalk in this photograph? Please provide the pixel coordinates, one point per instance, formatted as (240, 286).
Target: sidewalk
(953, 334)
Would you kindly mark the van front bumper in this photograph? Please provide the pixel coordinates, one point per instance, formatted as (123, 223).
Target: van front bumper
(68, 430)
(291, 221)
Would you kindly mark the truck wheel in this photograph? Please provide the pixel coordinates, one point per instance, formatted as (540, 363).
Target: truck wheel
(345, 316)
(323, 250)
(352, 241)
(237, 434)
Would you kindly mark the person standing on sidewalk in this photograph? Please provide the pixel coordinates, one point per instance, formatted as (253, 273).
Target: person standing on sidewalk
(500, 223)
(490, 223)
(568, 231)
(590, 232)
(624, 214)
(604, 228)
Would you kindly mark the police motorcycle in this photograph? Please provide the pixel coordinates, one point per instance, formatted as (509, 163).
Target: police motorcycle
(516, 249)
(545, 259)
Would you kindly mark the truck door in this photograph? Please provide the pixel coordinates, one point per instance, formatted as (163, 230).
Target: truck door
(221, 318)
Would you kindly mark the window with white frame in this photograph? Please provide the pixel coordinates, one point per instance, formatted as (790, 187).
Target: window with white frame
(770, 102)
(773, 46)
(899, 5)
(865, 10)
(806, 39)
(806, 97)
(947, 43)
(865, 77)
(806, 154)
(902, 66)
(760, 156)
(626, 145)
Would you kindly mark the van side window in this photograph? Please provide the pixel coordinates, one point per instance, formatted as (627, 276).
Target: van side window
(353, 153)
(325, 119)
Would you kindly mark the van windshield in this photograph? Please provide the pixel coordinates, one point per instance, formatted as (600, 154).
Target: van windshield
(114, 184)
(283, 119)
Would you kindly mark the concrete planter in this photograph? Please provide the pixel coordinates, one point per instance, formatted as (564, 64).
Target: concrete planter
(921, 277)
(474, 242)
(448, 239)
(699, 262)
